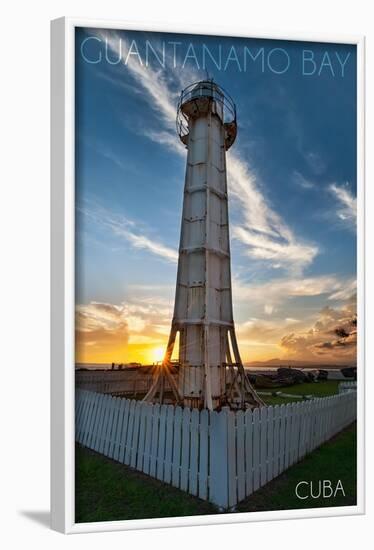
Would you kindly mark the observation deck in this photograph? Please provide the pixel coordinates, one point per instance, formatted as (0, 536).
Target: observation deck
(198, 100)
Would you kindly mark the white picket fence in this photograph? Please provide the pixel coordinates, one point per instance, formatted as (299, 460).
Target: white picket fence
(221, 457)
(347, 386)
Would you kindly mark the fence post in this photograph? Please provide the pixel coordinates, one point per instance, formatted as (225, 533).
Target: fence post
(218, 467)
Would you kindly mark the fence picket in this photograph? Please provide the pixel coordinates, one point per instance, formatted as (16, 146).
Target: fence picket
(186, 417)
(125, 422)
(95, 398)
(83, 417)
(270, 447)
(121, 406)
(113, 437)
(108, 431)
(103, 426)
(148, 439)
(218, 478)
(177, 447)
(161, 443)
(135, 436)
(154, 445)
(79, 402)
(263, 445)
(94, 439)
(276, 414)
(287, 446)
(248, 452)
(169, 443)
(240, 455)
(293, 442)
(194, 453)
(256, 449)
(203, 459)
(77, 413)
(302, 425)
(142, 428)
(231, 460)
(129, 432)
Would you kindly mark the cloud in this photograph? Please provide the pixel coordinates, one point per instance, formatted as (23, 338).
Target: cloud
(330, 336)
(142, 242)
(156, 82)
(346, 292)
(347, 205)
(333, 337)
(302, 181)
(269, 309)
(107, 330)
(100, 327)
(278, 291)
(166, 139)
(307, 335)
(262, 231)
(263, 332)
(138, 315)
(127, 229)
(315, 162)
(147, 317)
(110, 155)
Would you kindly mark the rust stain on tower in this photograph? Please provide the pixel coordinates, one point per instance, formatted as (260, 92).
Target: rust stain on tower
(210, 373)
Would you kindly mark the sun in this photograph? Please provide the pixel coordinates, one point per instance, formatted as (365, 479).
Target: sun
(158, 354)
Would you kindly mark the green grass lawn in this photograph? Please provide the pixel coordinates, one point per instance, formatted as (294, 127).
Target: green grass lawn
(108, 491)
(318, 389)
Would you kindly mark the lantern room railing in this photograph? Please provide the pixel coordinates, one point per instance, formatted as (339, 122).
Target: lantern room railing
(209, 89)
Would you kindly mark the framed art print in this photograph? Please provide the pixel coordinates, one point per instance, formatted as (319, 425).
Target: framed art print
(207, 276)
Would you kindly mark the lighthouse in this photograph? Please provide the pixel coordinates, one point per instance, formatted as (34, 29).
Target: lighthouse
(210, 373)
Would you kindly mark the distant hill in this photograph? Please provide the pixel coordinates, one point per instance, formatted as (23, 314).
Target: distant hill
(295, 363)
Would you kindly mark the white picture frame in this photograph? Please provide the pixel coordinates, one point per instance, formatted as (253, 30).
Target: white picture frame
(62, 273)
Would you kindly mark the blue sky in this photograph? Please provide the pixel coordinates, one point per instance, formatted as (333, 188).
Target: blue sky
(291, 180)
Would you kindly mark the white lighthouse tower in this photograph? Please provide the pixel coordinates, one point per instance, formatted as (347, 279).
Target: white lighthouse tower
(210, 372)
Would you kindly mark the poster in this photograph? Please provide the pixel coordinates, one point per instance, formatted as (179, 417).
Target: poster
(215, 275)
